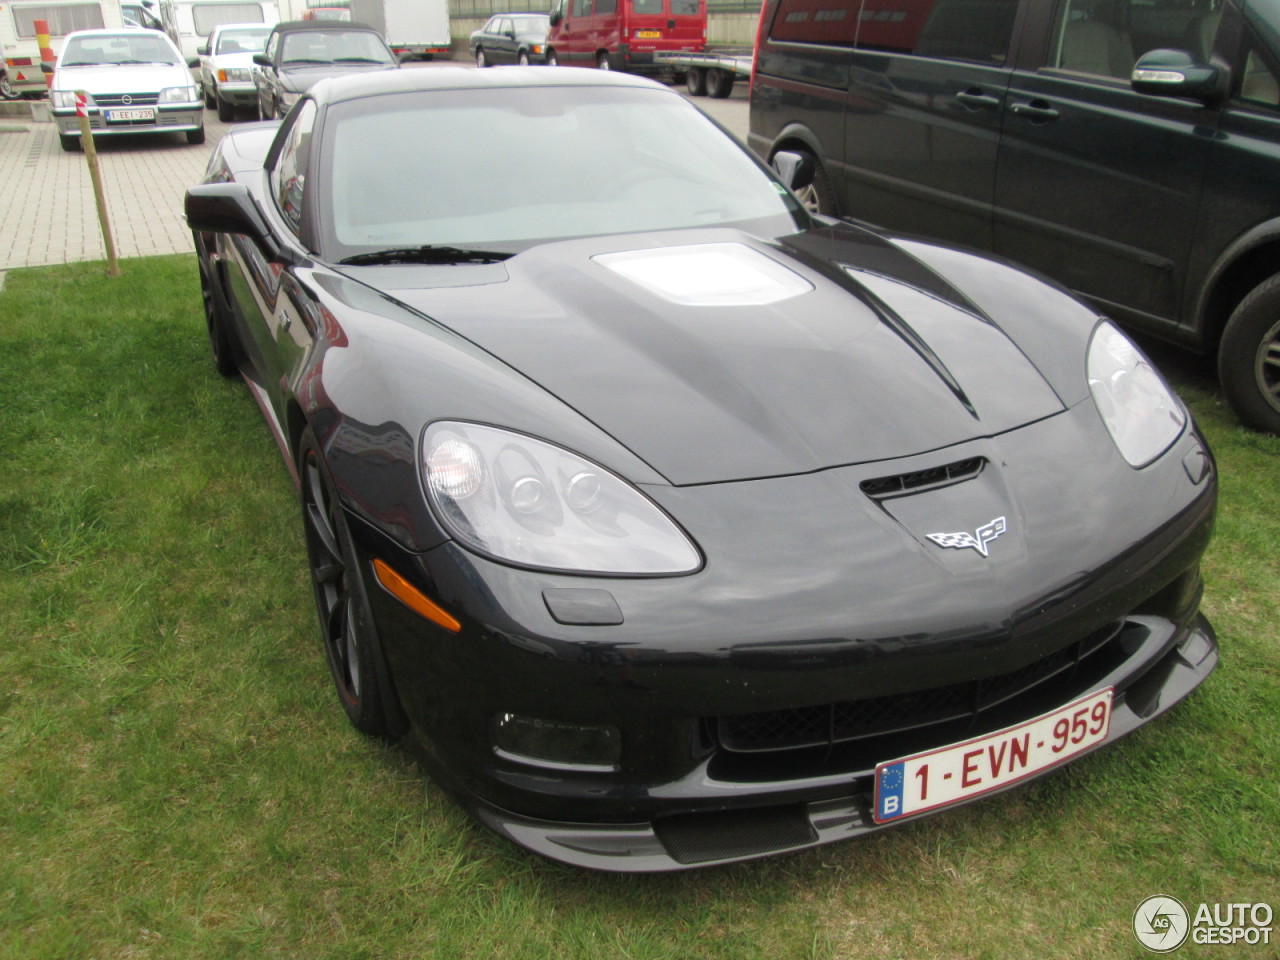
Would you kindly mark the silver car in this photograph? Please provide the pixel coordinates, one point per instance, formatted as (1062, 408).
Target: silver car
(226, 67)
(135, 81)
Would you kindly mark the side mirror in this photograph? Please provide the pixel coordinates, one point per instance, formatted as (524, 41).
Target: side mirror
(46, 68)
(555, 18)
(228, 208)
(1176, 73)
(795, 170)
(203, 49)
(261, 60)
(193, 63)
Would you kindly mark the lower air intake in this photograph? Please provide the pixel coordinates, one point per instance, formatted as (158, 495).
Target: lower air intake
(706, 837)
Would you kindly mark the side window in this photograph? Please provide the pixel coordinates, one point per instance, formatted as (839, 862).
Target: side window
(975, 30)
(289, 178)
(606, 7)
(1106, 37)
(1259, 83)
(272, 44)
(684, 8)
(582, 8)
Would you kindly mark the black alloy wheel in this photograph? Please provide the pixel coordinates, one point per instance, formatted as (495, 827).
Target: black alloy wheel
(818, 197)
(1249, 358)
(346, 622)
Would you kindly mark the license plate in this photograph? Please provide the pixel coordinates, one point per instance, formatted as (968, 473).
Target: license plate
(648, 34)
(135, 114)
(948, 775)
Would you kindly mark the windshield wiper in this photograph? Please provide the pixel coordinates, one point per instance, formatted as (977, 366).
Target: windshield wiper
(427, 254)
(359, 60)
(286, 63)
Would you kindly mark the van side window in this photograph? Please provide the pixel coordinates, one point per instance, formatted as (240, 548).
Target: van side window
(1259, 83)
(609, 7)
(289, 179)
(582, 8)
(975, 30)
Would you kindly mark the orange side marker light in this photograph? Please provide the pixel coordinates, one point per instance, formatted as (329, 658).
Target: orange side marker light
(413, 598)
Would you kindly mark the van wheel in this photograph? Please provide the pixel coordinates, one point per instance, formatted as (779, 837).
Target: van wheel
(719, 83)
(1249, 358)
(695, 81)
(602, 61)
(818, 196)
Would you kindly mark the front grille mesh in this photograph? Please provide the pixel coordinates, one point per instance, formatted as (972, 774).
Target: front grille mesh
(834, 723)
(115, 100)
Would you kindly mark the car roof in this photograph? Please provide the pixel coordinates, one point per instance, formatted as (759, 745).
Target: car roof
(381, 82)
(297, 26)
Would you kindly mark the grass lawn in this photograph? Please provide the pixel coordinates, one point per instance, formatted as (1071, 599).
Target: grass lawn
(177, 779)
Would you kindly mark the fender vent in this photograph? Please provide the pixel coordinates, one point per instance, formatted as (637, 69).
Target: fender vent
(883, 488)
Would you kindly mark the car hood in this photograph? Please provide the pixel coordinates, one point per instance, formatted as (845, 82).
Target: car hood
(141, 78)
(302, 79)
(715, 356)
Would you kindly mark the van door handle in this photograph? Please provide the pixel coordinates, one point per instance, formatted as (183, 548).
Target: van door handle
(974, 97)
(1037, 111)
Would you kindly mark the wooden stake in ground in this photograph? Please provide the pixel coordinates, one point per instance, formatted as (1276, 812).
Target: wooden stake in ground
(91, 158)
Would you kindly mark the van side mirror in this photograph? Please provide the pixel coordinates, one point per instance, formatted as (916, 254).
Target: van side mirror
(795, 170)
(1176, 73)
(555, 17)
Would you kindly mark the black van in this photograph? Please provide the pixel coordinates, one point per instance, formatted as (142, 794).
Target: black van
(1128, 148)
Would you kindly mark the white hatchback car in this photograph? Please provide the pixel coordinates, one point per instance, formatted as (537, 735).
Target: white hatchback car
(226, 66)
(136, 81)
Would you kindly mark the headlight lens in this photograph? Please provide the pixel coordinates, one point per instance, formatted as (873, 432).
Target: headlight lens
(178, 95)
(1140, 411)
(233, 75)
(528, 502)
(66, 98)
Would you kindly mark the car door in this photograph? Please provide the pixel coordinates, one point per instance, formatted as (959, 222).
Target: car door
(1097, 185)
(274, 313)
(923, 114)
(264, 73)
(504, 44)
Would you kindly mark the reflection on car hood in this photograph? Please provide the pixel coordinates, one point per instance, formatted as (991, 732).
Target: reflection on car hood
(135, 78)
(714, 356)
(300, 79)
(231, 61)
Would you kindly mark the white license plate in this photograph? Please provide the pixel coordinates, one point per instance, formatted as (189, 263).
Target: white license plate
(135, 114)
(948, 775)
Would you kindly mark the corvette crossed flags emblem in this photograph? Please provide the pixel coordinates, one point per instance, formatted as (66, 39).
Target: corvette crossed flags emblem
(978, 540)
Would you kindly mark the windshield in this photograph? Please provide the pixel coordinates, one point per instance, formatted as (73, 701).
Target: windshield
(117, 49)
(523, 165)
(248, 40)
(334, 46)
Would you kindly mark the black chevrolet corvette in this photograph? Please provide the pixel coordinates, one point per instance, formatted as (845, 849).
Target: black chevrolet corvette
(678, 525)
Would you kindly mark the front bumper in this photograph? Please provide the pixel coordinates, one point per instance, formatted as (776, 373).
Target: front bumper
(818, 615)
(169, 118)
(239, 93)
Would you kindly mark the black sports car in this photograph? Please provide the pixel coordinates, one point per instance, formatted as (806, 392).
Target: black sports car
(679, 525)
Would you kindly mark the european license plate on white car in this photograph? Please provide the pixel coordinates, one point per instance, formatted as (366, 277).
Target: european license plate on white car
(948, 775)
(135, 114)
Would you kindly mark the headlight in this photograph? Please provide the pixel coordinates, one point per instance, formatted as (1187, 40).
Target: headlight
(528, 502)
(178, 95)
(66, 98)
(1139, 409)
(233, 75)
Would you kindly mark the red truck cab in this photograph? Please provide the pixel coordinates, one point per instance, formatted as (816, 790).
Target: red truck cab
(624, 34)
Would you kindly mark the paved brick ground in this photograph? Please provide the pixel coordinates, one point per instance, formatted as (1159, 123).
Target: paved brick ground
(47, 212)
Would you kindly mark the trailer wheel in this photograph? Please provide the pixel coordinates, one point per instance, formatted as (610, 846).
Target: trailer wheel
(719, 83)
(695, 81)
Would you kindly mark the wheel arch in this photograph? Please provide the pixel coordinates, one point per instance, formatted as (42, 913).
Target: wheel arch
(1249, 261)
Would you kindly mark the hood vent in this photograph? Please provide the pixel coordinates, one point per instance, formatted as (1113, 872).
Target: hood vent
(917, 481)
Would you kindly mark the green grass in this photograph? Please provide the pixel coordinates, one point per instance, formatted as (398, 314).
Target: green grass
(178, 781)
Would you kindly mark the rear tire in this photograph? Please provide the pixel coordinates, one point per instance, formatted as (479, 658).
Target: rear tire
(603, 62)
(523, 59)
(481, 60)
(552, 59)
(819, 196)
(719, 83)
(695, 81)
(196, 136)
(1249, 358)
(221, 344)
(6, 88)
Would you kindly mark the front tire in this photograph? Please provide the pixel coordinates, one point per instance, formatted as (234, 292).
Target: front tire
(7, 92)
(523, 59)
(195, 137)
(552, 59)
(221, 344)
(346, 621)
(1249, 358)
(226, 111)
(70, 142)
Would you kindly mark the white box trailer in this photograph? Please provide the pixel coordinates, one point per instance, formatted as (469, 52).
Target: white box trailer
(18, 41)
(412, 28)
(189, 22)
